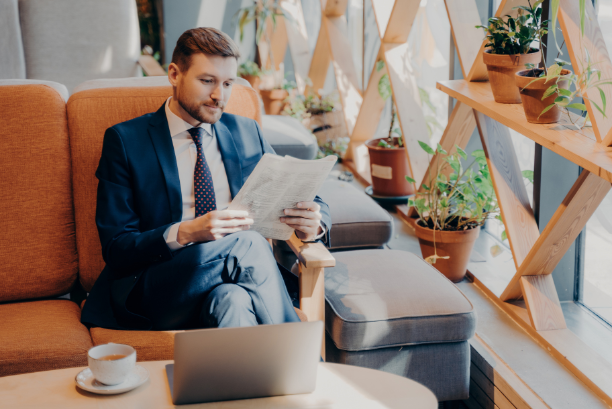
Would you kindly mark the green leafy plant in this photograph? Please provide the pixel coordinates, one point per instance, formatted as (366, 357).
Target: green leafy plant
(249, 68)
(590, 77)
(455, 199)
(302, 107)
(385, 92)
(515, 35)
(261, 11)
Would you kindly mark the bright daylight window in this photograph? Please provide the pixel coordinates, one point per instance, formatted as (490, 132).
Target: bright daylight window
(596, 291)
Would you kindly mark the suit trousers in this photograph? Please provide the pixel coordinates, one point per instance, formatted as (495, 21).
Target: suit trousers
(230, 282)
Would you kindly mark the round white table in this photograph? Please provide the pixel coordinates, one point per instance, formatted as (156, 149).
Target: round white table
(338, 386)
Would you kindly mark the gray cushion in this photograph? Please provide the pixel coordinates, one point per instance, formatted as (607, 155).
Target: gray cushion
(443, 368)
(12, 63)
(70, 41)
(288, 136)
(383, 298)
(61, 89)
(357, 220)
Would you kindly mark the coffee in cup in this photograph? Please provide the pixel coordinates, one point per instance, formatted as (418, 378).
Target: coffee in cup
(111, 363)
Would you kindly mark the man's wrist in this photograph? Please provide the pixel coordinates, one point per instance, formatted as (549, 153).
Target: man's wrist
(185, 235)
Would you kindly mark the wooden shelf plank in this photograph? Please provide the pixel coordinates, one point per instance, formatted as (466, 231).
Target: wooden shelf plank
(521, 227)
(321, 58)
(579, 147)
(401, 21)
(542, 302)
(298, 42)
(382, 13)
(371, 108)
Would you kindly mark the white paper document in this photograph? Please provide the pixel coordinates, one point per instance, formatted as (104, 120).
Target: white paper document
(279, 183)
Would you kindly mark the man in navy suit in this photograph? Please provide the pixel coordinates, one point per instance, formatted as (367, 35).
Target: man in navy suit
(175, 258)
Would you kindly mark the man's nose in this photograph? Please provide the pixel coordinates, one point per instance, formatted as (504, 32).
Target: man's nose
(217, 93)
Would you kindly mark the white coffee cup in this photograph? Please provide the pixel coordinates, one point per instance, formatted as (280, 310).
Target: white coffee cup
(111, 372)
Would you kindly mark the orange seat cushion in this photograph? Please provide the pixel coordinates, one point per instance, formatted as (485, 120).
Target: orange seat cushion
(149, 345)
(90, 113)
(38, 255)
(42, 335)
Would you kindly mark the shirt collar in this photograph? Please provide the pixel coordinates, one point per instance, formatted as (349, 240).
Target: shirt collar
(177, 125)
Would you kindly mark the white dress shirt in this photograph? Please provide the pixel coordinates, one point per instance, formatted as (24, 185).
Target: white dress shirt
(186, 158)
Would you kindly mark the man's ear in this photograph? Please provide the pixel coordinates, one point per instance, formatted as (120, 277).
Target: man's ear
(173, 73)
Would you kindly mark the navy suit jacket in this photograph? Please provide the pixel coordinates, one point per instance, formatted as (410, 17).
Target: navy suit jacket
(139, 197)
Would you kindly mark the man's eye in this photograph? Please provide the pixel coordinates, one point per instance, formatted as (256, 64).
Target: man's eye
(207, 81)
(228, 84)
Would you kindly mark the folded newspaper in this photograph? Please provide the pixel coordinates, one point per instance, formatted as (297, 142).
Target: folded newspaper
(279, 183)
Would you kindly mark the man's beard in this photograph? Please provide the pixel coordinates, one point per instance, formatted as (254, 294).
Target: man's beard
(198, 112)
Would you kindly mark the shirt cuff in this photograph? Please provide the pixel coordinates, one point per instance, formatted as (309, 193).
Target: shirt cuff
(171, 235)
(322, 235)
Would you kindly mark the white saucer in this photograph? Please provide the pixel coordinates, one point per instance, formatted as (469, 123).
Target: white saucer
(86, 381)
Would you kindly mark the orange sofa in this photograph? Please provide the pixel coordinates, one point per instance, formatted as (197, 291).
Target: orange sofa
(49, 241)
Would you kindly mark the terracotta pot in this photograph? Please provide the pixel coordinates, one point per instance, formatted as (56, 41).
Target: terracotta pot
(455, 244)
(501, 70)
(532, 93)
(273, 100)
(389, 167)
(254, 80)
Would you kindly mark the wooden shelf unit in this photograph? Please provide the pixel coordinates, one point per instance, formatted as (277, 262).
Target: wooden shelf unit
(580, 147)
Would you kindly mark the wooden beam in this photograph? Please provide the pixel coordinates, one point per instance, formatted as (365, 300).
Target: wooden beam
(321, 58)
(150, 66)
(463, 17)
(372, 106)
(334, 8)
(346, 76)
(408, 103)
(542, 302)
(312, 255)
(401, 21)
(561, 231)
(312, 296)
(593, 42)
(521, 227)
(382, 13)
(297, 37)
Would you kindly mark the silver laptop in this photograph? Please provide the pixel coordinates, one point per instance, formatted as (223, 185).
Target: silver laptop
(240, 363)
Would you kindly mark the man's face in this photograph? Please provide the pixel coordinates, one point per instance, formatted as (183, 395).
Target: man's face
(204, 89)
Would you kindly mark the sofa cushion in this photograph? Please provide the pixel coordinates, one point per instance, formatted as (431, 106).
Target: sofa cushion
(40, 336)
(357, 220)
(288, 136)
(38, 250)
(100, 105)
(71, 41)
(149, 345)
(383, 298)
(12, 62)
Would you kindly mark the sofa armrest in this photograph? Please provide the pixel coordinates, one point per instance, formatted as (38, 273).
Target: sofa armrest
(313, 258)
(311, 255)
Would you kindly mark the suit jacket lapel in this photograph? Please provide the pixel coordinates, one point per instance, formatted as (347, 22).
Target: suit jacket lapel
(229, 153)
(162, 142)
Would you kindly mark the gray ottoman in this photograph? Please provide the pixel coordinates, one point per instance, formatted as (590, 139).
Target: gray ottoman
(288, 136)
(357, 221)
(390, 310)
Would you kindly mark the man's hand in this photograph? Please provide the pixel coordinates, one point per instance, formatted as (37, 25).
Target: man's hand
(213, 226)
(306, 220)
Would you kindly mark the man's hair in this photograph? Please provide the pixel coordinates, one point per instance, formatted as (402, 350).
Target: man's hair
(203, 40)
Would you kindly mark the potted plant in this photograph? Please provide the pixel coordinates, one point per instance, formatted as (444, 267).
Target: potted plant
(558, 88)
(250, 72)
(318, 113)
(540, 88)
(274, 100)
(388, 160)
(509, 49)
(452, 208)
